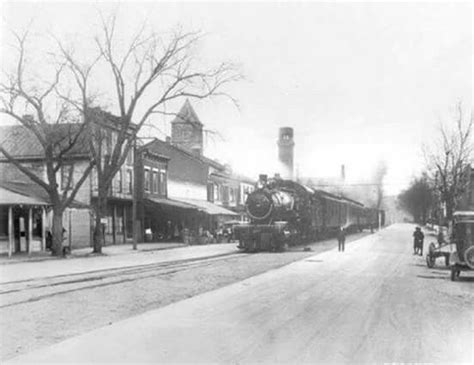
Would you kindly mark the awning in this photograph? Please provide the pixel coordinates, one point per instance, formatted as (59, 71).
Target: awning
(170, 203)
(8, 197)
(208, 207)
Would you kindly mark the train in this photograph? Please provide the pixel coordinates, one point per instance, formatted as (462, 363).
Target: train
(286, 213)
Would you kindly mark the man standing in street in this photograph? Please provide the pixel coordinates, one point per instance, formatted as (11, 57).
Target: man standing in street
(341, 239)
(418, 237)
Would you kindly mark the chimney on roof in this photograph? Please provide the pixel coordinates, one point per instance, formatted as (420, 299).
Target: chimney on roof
(168, 139)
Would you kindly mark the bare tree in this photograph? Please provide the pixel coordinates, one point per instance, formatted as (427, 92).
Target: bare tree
(25, 99)
(149, 72)
(448, 157)
(418, 199)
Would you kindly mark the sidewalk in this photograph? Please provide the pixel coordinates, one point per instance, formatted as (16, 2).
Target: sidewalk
(81, 260)
(111, 250)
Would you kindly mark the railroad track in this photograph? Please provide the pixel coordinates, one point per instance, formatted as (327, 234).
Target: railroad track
(23, 291)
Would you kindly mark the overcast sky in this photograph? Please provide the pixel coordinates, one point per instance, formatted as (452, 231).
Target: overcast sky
(359, 82)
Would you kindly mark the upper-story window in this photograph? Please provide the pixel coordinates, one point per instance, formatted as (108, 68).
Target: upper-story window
(129, 182)
(119, 181)
(231, 195)
(67, 176)
(156, 183)
(146, 179)
(130, 157)
(217, 192)
(163, 182)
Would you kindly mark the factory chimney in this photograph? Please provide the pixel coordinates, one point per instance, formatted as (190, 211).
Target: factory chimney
(343, 173)
(286, 145)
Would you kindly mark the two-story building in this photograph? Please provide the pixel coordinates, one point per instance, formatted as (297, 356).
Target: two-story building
(78, 219)
(182, 203)
(25, 208)
(118, 223)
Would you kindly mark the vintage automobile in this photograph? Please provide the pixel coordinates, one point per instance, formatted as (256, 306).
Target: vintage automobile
(463, 237)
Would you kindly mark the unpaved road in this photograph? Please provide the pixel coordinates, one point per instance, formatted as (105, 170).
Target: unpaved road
(44, 303)
(374, 303)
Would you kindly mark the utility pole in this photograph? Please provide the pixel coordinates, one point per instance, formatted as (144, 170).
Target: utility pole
(134, 194)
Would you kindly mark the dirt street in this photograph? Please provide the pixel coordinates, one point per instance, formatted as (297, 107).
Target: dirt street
(376, 302)
(85, 294)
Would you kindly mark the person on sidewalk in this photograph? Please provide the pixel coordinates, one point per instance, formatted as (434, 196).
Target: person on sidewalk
(418, 238)
(341, 239)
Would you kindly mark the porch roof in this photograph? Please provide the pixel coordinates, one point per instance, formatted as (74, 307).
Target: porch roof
(170, 203)
(208, 207)
(8, 197)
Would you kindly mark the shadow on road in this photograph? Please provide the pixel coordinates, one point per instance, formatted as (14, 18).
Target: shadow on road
(432, 277)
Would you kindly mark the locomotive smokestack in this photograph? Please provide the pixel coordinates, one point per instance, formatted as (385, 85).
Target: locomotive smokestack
(286, 146)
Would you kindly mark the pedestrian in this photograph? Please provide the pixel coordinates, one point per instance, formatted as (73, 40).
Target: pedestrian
(418, 238)
(341, 239)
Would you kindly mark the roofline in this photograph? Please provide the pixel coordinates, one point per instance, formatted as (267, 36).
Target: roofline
(41, 158)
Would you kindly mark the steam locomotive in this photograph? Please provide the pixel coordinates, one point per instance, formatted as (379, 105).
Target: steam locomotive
(285, 213)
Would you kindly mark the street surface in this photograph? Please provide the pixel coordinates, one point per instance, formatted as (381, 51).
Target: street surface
(376, 302)
(45, 302)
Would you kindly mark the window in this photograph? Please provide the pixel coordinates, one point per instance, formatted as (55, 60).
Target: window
(129, 181)
(119, 181)
(156, 183)
(231, 195)
(67, 177)
(162, 183)
(146, 182)
(130, 156)
(94, 179)
(217, 193)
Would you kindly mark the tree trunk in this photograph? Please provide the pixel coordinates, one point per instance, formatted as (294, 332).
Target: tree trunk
(57, 232)
(449, 209)
(101, 210)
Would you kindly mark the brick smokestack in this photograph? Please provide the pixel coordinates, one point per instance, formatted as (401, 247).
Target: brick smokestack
(286, 146)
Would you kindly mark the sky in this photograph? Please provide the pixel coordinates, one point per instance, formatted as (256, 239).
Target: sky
(358, 82)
